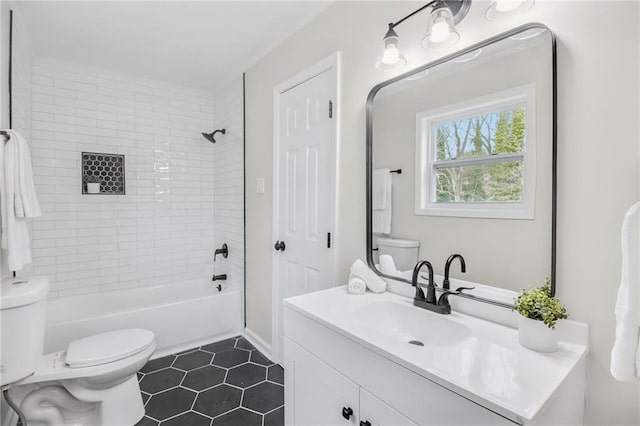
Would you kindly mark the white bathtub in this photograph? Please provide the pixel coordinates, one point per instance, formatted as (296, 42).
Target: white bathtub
(181, 316)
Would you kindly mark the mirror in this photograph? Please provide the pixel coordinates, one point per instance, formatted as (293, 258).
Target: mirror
(474, 135)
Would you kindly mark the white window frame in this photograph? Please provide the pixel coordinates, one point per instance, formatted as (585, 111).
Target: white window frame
(426, 123)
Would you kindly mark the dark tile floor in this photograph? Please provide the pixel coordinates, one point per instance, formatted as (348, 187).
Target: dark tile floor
(224, 383)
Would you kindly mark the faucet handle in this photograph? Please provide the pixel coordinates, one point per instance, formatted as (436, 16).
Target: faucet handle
(444, 297)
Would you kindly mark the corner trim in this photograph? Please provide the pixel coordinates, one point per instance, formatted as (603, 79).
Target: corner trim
(258, 342)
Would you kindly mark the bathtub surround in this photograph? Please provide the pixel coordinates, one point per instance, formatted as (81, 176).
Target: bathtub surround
(22, 54)
(228, 382)
(584, 57)
(161, 231)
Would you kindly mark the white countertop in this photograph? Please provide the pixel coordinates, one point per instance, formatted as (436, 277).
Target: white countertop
(484, 363)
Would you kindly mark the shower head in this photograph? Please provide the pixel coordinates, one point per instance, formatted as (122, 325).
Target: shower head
(210, 136)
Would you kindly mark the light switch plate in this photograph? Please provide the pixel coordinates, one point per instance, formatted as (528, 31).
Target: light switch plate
(260, 186)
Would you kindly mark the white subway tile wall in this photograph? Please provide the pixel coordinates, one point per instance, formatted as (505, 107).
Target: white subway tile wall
(21, 101)
(162, 230)
(229, 183)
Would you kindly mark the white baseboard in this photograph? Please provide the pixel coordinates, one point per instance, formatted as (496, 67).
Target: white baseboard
(259, 343)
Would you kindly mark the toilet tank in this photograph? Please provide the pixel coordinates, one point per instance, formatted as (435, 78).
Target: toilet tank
(404, 252)
(23, 306)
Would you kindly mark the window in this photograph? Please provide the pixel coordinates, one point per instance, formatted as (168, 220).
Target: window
(477, 158)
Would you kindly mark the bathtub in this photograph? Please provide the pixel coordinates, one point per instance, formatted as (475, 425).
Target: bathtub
(181, 316)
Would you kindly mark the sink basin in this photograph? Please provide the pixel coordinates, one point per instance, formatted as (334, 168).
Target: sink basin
(409, 324)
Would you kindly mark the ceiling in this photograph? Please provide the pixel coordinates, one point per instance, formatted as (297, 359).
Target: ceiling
(201, 44)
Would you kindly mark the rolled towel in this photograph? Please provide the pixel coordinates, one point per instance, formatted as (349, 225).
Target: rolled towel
(374, 283)
(356, 285)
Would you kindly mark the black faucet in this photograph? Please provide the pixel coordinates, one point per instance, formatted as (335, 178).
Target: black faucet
(447, 265)
(429, 301)
(222, 277)
(224, 251)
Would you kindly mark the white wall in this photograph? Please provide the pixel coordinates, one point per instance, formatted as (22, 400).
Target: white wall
(228, 170)
(161, 231)
(598, 153)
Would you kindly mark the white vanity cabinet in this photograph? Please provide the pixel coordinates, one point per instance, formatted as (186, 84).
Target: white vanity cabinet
(323, 396)
(326, 373)
(348, 361)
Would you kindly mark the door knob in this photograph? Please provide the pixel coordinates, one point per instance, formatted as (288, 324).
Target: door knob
(347, 412)
(280, 245)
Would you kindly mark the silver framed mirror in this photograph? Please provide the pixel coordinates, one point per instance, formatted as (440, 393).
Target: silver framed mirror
(474, 136)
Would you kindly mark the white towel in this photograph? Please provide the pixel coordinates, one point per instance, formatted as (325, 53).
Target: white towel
(26, 202)
(381, 201)
(356, 285)
(625, 355)
(17, 200)
(374, 283)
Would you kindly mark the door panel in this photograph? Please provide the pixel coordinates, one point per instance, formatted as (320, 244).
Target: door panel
(306, 195)
(319, 392)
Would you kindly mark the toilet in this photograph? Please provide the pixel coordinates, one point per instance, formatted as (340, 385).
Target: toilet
(92, 382)
(404, 252)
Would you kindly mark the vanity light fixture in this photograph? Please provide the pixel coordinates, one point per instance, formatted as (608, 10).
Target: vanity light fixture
(500, 9)
(441, 31)
(391, 58)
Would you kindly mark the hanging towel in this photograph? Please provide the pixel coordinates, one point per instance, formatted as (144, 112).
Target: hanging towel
(25, 200)
(374, 283)
(381, 201)
(18, 200)
(625, 355)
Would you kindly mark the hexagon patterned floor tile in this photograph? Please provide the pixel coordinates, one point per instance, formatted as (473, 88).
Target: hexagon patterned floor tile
(223, 383)
(231, 358)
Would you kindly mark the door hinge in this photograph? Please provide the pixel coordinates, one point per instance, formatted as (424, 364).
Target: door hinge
(330, 109)
(328, 239)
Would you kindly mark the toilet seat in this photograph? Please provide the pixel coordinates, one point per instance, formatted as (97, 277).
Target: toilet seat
(107, 347)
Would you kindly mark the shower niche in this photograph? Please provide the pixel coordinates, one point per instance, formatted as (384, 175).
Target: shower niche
(107, 169)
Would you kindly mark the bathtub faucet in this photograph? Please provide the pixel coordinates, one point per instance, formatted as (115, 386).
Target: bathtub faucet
(224, 251)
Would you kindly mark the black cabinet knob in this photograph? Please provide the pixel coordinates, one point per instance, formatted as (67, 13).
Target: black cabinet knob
(365, 423)
(279, 246)
(347, 412)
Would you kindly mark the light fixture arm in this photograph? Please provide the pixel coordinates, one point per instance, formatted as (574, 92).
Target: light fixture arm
(392, 25)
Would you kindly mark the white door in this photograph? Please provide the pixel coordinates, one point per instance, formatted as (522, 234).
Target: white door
(305, 205)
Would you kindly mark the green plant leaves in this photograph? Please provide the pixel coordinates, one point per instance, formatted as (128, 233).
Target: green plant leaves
(536, 303)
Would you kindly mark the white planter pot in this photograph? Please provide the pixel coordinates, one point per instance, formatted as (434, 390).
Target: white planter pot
(536, 335)
(93, 188)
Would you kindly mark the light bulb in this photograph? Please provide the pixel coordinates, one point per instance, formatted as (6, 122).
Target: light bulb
(440, 32)
(391, 55)
(507, 5)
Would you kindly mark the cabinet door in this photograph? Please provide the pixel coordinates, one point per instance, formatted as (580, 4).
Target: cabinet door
(374, 412)
(316, 394)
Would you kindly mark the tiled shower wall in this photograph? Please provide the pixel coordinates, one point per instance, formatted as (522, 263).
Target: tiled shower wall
(162, 230)
(229, 183)
(21, 93)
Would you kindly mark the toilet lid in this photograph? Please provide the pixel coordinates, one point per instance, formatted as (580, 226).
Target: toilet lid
(107, 347)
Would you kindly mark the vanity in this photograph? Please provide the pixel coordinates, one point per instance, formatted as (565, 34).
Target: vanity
(376, 359)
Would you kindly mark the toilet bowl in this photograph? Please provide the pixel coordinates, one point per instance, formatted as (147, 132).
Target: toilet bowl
(92, 382)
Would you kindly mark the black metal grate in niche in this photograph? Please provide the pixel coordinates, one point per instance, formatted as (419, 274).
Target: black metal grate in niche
(108, 167)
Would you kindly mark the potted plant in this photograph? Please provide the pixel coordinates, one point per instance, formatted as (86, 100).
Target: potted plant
(93, 184)
(539, 312)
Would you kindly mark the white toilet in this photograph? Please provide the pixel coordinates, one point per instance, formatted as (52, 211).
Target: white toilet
(404, 252)
(93, 382)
